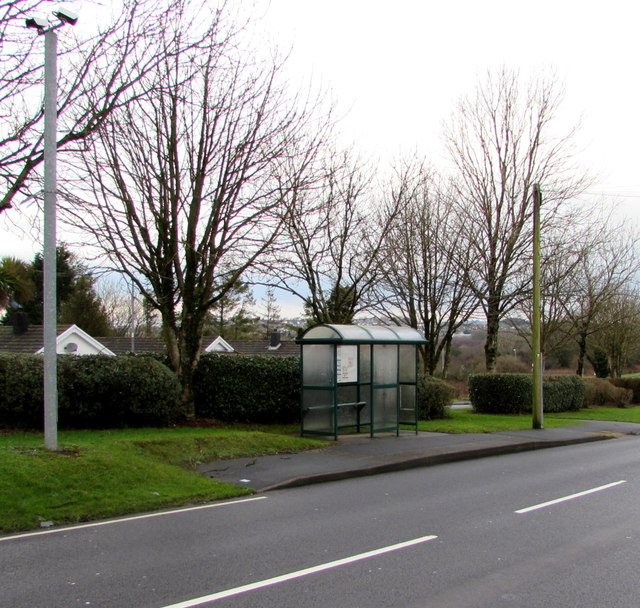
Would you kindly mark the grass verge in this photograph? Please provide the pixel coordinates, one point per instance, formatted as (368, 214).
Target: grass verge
(99, 474)
(611, 414)
(466, 421)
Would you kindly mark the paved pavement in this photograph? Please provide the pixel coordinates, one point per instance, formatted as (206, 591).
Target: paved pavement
(359, 455)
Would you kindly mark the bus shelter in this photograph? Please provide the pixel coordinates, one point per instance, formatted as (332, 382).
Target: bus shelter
(359, 377)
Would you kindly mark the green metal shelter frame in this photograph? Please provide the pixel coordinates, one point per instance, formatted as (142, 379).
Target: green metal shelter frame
(356, 376)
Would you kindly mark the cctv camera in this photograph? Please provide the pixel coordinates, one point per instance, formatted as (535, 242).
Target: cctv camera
(37, 22)
(66, 16)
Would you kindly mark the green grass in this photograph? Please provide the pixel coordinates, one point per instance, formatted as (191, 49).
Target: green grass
(466, 421)
(102, 474)
(612, 414)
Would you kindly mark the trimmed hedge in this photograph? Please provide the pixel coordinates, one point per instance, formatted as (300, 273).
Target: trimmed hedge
(94, 391)
(111, 392)
(434, 395)
(248, 388)
(21, 391)
(512, 393)
(563, 393)
(500, 393)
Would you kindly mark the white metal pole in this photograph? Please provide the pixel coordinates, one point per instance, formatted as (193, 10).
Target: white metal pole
(49, 275)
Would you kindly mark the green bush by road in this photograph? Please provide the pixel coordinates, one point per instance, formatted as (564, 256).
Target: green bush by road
(493, 393)
(94, 391)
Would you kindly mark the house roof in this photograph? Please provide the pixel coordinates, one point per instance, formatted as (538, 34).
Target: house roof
(32, 342)
(122, 345)
(69, 338)
(29, 342)
(287, 348)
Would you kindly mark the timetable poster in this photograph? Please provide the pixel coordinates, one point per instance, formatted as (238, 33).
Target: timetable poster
(347, 363)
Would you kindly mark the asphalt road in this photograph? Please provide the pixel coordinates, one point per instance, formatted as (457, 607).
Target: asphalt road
(552, 528)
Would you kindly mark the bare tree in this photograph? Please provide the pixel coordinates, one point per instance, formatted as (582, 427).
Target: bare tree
(185, 187)
(127, 312)
(562, 250)
(606, 269)
(585, 280)
(619, 334)
(334, 237)
(100, 75)
(501, 142)
(421, 264)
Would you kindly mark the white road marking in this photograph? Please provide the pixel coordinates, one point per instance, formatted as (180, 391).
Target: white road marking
(132, 518)
(571, 497)
(300, 573)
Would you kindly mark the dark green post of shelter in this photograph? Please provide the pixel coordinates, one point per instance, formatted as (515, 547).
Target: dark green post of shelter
(356, 376)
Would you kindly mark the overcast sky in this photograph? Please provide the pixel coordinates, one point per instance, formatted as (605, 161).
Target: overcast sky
(400, 67)
(397, 69)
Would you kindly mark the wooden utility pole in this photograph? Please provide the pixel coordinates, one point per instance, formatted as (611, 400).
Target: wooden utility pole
(537, 406)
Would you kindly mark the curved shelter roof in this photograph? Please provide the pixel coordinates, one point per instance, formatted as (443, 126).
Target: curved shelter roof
(361, 334)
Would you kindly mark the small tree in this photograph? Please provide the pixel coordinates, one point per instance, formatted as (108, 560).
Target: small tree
(618, 338)
(271, 312)
(16, 281)
(84, 308)
(230, 315)
(76, 299)
(339, 306)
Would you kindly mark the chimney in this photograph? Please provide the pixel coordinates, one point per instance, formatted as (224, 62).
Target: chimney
(275, 341)
(20, 323)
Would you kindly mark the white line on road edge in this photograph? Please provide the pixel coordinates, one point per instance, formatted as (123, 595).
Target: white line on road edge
(132, 518)
(300, 573)
(565, 498)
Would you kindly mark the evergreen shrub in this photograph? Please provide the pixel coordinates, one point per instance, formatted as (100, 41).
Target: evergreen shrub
(110, 392)
(434, 395)
(257, 389)
(21, 391)
(94, 391)
(512, 393)
(563, 393)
